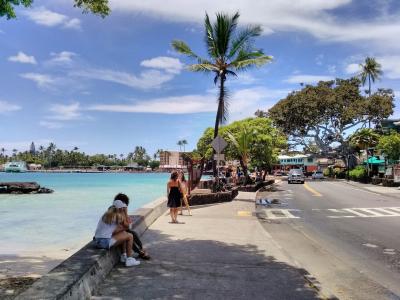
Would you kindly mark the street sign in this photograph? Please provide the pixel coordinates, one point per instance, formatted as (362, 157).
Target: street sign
(219, 144)
(219, 157)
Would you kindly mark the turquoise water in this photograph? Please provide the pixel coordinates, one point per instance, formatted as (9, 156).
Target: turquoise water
(68, 217)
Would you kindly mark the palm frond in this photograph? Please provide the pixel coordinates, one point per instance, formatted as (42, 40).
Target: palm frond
(183, 48)
(203, 67)
(210, 38)
(250, 59)
(243, 39)
(224, 28)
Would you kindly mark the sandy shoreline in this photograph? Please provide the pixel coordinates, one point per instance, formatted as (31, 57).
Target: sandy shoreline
(19, 270)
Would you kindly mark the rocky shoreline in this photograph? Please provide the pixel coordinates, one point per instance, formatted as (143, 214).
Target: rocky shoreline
(23, 188)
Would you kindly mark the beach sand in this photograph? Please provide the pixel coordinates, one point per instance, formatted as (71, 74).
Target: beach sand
(19, 270)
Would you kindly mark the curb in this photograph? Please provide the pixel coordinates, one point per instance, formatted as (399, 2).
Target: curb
(80, 274)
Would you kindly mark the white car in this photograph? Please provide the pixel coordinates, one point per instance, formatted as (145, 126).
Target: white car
(317, 175)
(296, 175)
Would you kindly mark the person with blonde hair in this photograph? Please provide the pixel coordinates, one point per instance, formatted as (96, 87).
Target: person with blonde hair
(185, 192)
(110, 232)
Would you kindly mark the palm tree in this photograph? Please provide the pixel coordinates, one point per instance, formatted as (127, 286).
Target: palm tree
(228, 51)
(371, 70)
(75, 149)
(242, 144)
(184, 143)
(363, 139)
(14, 152)
(3, 150)
(179, 143)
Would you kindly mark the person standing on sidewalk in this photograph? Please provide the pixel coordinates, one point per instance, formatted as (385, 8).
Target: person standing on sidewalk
(137, 245)
(184, 189)
(174, 196)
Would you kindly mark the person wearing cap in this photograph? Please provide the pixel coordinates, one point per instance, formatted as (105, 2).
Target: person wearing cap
(137, 245)
(110, 232)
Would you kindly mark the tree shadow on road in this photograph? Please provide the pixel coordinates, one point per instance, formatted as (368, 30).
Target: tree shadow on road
(206, 269)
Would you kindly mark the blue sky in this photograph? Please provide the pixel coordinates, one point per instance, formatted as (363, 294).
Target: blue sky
(107, 85)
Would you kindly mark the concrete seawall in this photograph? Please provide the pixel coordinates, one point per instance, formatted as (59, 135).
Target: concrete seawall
(78, 276)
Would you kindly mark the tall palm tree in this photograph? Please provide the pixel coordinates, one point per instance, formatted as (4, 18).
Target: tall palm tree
(371, 70)
(3, 150)
(184, 143)
(179, 143)
(229, 50)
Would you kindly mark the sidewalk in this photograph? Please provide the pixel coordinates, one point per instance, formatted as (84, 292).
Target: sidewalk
(383, 190)
(221, 252)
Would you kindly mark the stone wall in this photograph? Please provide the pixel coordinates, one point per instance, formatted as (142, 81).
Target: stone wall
(210, 198)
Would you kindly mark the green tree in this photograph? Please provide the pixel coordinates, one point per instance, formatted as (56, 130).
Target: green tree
(229, 50)
(390, 145)
(140, 156)
(98, 7)
(242, 143)
(364, 138)
(262, 148)
(371, 70)
(184, 143)
(179, 143)
(324, 112)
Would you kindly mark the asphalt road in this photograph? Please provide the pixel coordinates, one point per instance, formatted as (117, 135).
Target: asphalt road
(348, 238)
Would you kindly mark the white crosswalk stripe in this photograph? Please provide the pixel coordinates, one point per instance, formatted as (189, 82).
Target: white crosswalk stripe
(280, 214)
(374, 212)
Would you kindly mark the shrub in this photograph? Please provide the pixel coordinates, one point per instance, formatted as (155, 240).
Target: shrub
(339, 173)
(359, 173)
(328, 172)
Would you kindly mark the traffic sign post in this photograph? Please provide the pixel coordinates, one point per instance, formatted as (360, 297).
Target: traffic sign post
(219, 144)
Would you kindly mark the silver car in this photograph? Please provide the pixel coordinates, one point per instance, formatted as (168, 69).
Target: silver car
(296, 175)
(317, 175)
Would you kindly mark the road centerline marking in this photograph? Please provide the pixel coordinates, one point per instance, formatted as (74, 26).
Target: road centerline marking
(311, 190)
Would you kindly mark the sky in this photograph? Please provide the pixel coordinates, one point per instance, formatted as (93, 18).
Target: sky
(108, 85)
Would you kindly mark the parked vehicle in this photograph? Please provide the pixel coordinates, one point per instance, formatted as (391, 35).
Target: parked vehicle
(296, 175)
(317, 175)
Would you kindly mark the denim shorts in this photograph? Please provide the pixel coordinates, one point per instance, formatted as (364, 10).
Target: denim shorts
(104, 243)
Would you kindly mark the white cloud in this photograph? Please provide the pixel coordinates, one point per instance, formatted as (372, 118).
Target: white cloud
(307, 78)
(145, 80)
(45, 17)
(51, 125)
(6, 107)
(23, 58)
(168, 64)
(352, 68)
(65, 112)
(316, 17)
(73, 23)
(63, 57)
(390, 66)
(243, 103)
(42, 80)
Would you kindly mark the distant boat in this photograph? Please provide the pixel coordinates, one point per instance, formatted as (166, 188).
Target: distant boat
(15, 166)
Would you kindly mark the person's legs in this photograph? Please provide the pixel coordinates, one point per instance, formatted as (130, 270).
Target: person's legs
(187, 204)
(137, 245)
(172, 214)
(181, 208)
(176, 214)
(124, 239)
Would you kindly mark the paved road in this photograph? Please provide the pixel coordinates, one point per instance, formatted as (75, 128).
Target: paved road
(347, 237)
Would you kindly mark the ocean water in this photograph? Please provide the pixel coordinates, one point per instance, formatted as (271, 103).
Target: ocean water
(67, 219)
